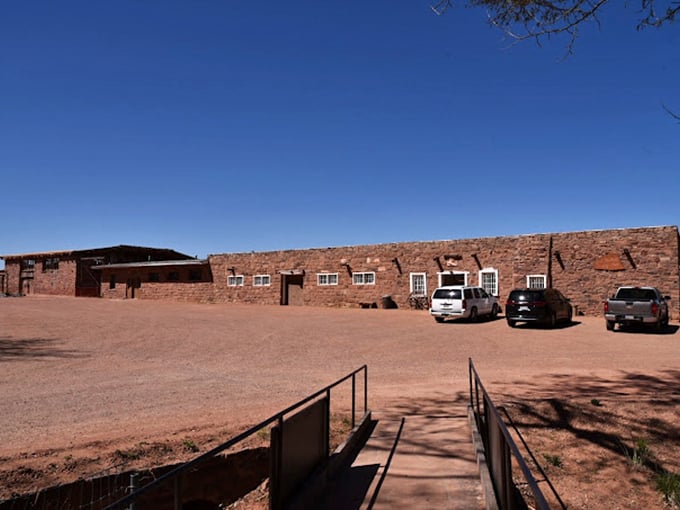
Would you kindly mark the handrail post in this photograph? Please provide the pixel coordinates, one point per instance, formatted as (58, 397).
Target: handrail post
(354, 404)
(365, 389)
(178, 492)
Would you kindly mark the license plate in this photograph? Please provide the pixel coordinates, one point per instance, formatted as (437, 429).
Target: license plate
(630, 317)
(524, 308)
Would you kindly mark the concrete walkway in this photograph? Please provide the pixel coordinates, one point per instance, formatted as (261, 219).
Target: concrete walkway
(417, 461)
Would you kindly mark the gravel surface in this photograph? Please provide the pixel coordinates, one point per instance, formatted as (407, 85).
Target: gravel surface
(82, 374)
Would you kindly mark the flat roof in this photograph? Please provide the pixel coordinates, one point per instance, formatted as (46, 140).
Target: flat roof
(64, 253)
(154, 263)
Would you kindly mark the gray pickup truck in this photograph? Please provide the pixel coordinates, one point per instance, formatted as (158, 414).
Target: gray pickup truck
(636, 305)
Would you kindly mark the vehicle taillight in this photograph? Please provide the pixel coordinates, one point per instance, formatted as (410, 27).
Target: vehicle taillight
(509, 302)
(538, 303)
(655, 309)
(464, 304)
(606, 307)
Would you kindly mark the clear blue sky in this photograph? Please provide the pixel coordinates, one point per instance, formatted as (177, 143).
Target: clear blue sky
(229, 126)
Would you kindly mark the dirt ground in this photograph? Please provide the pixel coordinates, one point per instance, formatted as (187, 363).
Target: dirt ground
(88, 383)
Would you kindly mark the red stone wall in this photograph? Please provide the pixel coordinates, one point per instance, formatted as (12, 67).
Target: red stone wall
(56, 282)
(183, 290)
(12, 270)
(653, 252)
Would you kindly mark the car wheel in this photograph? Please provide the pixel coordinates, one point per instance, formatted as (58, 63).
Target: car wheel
(439, 319)
(494, 312)
(570, 316)
(512, 323)
(610, 325)
(473, 314)
(553, 320)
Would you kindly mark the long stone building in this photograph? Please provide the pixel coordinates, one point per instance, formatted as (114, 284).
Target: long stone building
(586, 266)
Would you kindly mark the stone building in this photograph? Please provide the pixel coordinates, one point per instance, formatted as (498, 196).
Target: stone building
(70, 272)
(586, 266)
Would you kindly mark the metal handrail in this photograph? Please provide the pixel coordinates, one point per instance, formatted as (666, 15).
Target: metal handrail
(179, 470)
(476, 390)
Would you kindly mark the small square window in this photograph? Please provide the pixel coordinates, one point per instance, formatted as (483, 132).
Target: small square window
(536, 281)
(261, 280)
(367, 278)
(327, 279)
(51, 264)
(195, 275)
(154, 277)
(235, 280)
(173, 276)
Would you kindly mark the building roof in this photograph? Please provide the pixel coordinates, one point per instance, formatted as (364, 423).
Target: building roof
(154, 263)
(165, 252)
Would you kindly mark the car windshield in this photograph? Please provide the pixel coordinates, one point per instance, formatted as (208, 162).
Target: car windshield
(447, 294)
(526, 295)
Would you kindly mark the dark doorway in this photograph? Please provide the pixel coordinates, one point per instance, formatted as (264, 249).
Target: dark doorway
(131, 285)
(292, 285)
(26, 286)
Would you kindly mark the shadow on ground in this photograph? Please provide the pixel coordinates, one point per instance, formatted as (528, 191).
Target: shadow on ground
(588, 407)
(34, 348)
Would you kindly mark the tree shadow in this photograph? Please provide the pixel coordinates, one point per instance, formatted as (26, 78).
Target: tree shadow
(586, 407)
(34, 348)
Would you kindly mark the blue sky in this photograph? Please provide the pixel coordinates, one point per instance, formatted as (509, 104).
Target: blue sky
(229, 126)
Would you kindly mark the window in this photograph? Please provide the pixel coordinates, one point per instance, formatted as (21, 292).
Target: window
(452, 278)
(363, 278)
(51, 264)
(112, 282)
(488, 280)
(327, 279)
(419, 284)
(173, 276)
(235, 280)
(536, 281)
(261, 280)
(27, 264)
(154, 277)
(195, 275)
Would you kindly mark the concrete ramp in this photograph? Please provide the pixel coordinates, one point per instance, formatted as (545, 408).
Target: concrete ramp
(413, 461)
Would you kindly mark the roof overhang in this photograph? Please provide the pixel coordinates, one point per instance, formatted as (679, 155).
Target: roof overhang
(154, 264)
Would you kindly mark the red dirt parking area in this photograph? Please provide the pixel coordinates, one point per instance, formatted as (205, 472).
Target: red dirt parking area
(84, 382)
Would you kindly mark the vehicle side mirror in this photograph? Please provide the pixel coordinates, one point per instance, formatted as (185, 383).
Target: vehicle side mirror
(667, 298)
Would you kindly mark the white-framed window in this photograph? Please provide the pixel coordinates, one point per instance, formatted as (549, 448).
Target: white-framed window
(327, 278)
(452, 278)
(488, 280)
(262, 280)
(367, 278)
(419, 284)
(235, 280)
(536, 281)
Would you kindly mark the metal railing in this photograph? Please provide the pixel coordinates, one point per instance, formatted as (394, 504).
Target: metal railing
(500, 448)
(175, 475)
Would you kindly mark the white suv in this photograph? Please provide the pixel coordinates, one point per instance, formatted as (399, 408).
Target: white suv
(459, 301)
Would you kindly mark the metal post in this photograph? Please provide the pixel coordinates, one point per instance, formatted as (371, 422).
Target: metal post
(365, 389)
(132, 488)
(354, 405)
(178, 492)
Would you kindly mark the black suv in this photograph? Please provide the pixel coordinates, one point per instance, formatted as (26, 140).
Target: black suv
(546, 306)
